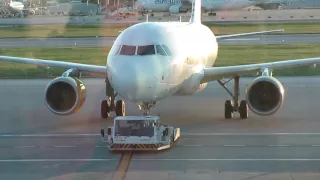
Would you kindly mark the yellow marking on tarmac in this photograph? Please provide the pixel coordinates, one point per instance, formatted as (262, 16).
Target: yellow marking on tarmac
(123, 166)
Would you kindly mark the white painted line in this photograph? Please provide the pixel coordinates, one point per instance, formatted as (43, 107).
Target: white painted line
(101, 160)
(247, 39)
(249, 159)
(54, 160)
(235, 145)
(24, 146)
(101, 146)
(279, 145)
(65, 146)
(245, 134)
(192, 145)
(183, 134)
(49, 135)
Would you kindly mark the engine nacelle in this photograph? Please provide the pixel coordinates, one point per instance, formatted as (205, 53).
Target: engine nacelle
(65, 95)
(265, 95)
(175, 9)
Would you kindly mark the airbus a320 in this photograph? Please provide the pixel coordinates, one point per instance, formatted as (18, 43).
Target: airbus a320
(151, 61)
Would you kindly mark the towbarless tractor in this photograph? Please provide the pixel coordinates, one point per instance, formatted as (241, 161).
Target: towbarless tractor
(139, 133)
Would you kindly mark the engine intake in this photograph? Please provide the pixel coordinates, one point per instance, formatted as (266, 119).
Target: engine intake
(265, 95)
(65, 95)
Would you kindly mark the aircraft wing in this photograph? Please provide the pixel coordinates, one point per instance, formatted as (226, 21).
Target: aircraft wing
(217, 73)
(247, 34)
(101, 70)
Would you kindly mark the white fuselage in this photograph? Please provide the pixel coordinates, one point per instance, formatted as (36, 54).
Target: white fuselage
(16, 6)
(148, 78)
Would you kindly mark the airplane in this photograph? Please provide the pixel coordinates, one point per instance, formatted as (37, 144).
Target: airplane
(276, 4)
(15, 6)
(151, 61)
(182, 6)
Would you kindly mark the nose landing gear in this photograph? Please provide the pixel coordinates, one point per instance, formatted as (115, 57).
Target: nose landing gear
(107, 106)
(147, 108)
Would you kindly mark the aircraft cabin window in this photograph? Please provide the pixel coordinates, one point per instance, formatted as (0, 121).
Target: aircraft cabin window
(146, 50)
(160, 50)
(128, 50)
(167, 50)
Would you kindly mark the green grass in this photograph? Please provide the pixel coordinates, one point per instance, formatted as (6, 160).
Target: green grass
(249, 54)
(62, 30)
(228, 55)
(113, 29)
(84, 55)
(289, 28)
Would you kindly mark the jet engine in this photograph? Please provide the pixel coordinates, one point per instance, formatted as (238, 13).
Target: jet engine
(265, 95)
(175, 9)
(65, 95)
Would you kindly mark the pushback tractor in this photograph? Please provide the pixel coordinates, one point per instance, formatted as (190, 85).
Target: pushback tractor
(139, 133)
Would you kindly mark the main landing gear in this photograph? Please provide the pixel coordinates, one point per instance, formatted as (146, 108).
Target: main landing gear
(110, 105)
(232, 106)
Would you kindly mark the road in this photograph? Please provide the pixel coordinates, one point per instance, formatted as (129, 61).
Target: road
(108, 41)
(62, 20)
(292, 15)
(35, 144)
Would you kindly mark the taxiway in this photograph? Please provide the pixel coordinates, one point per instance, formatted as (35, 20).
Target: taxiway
(35, 144)
(292, 15)
(108, 41)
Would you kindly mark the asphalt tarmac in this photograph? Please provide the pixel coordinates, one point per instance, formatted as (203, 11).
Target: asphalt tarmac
(292, 15)
(35, 144)
(108, 41)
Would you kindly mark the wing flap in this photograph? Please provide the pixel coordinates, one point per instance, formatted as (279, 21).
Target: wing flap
(216, 73)
(51, 63)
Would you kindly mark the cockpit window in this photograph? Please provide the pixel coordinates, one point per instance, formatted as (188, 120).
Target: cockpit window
(167, 50)
(146, 50)
(128, 50)
(116, 50)
(160, 50)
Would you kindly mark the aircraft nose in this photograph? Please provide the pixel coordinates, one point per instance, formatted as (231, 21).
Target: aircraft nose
(136, 82)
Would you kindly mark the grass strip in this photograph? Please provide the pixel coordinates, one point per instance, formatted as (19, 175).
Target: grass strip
(228, 55)
(41, 31)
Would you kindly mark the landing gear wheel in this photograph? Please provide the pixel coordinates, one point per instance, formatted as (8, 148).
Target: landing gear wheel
(105, 109)
(120, 108)
(228, 109)
(233, 106)
(243, 109)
